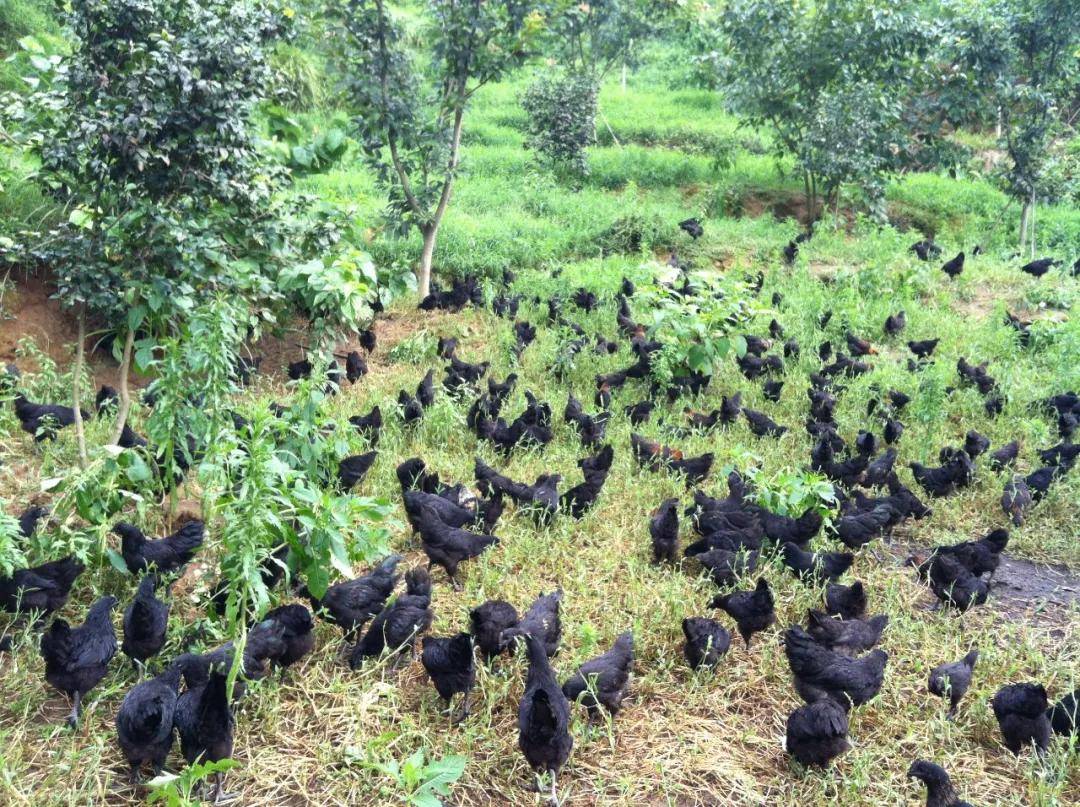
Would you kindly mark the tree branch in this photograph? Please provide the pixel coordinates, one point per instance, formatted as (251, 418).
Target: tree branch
(125, 394)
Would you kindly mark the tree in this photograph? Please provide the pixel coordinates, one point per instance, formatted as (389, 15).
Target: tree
(145, 136)
(561, 121)
(410, 119)
(828, 77)
(1021, 58)
(592, 38)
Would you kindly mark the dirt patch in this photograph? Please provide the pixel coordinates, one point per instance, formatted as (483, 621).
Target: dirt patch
(781, 205)
(1038, 593)
(33, 312)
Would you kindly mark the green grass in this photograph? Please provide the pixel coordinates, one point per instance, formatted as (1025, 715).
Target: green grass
(683, 738)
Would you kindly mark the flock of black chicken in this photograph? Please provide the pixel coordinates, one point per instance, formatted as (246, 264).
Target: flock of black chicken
(834, 662)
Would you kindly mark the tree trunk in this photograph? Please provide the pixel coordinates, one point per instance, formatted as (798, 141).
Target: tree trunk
(76, 392)
(1025, 215)
(431, 229)
(423, 271)
(125, 394)
(1033, 206)
(806, 189)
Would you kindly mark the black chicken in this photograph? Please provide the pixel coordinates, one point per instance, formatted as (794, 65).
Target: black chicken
(847, 636)
(76, 659)
(954, 585)
(939, 787)
(815, 567)
(846, 602)
(579, 499)
(924, 348)
(664, 531)
(817, 732)
(978, 557)
(954, 473)
(296, 629)
(398, 625)
(895, 323)
(450, 664)
(858, 529)
(604, 680)
(1039, 267)
(43, 588)
(954, 267)
(144, 724)
(953, 679)
(706, 641)
(44, 420)
(926, 249)
(1021, 710)
(543, 717)
(1004, 456)
(146, 620)
(350, 604)
(165, 555)
(488, 621)
(204, 719)
(753, 611)
(1065, 714)
(355, 366)
(352, 470)
(29, 520)
(448, 546)
(762, 425)
(640, 412)
(542, 620)
(1016, 498)
(820, 672)
(692, 227)
(369, 425)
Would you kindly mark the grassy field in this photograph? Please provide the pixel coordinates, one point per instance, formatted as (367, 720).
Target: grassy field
(684, 737)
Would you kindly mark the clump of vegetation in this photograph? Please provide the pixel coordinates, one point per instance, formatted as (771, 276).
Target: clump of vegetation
(562, 121)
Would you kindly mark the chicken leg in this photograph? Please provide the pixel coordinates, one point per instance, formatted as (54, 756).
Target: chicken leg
(73, 718)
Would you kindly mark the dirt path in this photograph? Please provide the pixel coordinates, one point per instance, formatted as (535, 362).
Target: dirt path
(1041, 594)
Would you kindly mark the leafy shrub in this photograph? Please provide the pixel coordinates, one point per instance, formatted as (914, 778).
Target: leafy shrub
(275, 475)
(632, 234)
(11, 555)
(305, 151)
(335, 292)
(561, 120)
(792, 493)
(420, 782)
(695, 331)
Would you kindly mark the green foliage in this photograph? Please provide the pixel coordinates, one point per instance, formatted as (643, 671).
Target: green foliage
(421, 782)
(633, 234)
(334, 292)
(1020, 57)
(827, 77)
(562, 119)
(11, 553)
(154, 195)
(194, 377)
(792, 493)
(410, 120)
(592, 38)
(276, 475)
(695, 331)
(178, 790)
(414, 349)
(300, 77)
(305, 151)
